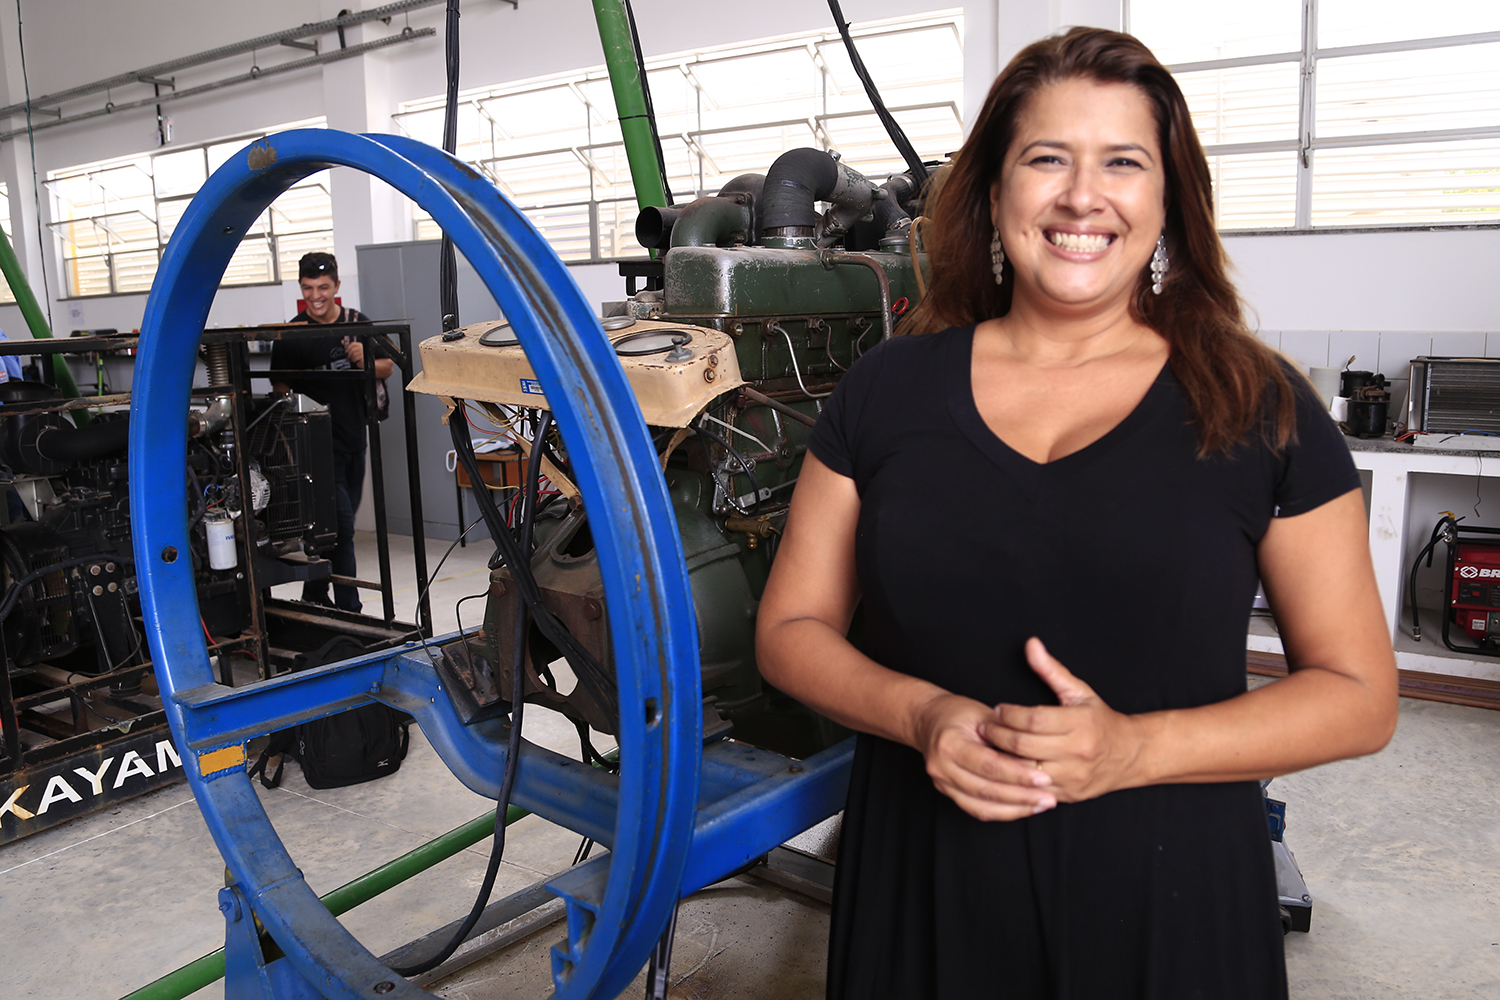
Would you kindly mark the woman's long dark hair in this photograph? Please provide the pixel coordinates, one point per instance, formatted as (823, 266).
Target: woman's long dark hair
(1228, 374)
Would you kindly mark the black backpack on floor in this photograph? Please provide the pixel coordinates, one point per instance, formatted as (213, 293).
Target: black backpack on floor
(361, 744)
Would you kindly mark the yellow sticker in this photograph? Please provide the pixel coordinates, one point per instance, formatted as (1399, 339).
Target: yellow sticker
(222, 759)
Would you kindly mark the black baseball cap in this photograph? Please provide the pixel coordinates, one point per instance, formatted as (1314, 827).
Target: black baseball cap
(318, 264)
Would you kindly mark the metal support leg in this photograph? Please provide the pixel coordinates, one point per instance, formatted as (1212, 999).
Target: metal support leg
(247, 974)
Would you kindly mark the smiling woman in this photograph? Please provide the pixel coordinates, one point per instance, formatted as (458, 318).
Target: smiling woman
(1081, 201)
(1039, 806)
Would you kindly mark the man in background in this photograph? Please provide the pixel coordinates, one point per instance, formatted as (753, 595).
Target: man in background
(318, 277)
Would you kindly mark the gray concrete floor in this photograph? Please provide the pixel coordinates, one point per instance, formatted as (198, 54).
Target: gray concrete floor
(1401, 852)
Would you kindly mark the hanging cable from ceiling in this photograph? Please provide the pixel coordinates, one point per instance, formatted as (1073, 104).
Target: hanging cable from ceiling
(640, 61)
(893, 129)
(448, 261)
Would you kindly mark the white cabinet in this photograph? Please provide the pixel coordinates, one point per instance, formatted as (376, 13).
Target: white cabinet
(1405, 490)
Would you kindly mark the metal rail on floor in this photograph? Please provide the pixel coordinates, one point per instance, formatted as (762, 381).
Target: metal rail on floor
(209, 969)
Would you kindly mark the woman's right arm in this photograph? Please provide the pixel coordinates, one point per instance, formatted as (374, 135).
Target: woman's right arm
(801, 645)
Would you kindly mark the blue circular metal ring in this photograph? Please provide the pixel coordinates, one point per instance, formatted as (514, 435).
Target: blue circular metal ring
(646, 588)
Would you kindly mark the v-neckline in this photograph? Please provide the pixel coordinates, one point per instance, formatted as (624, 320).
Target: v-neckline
(964, 408)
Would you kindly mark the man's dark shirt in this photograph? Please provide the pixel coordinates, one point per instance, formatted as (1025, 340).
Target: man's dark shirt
(344, 397)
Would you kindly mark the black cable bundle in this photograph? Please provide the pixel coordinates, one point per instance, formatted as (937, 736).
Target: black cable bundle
(513, 744)
(898, 136)
(447, 260)
(1446, 525)
(515, 548)
(640, 63)
(704, 436)
(589, 671)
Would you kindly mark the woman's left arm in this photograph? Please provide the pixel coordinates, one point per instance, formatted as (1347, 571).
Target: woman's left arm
(1338, 701)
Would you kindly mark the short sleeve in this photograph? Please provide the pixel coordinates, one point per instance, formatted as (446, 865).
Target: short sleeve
(1317, 466)
(834, 440)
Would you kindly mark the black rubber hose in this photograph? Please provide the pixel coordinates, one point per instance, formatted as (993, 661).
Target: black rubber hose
(1426, 553)
(81, 444)
(889, 210)
(797, 179)
(533, 473)
(502, 806)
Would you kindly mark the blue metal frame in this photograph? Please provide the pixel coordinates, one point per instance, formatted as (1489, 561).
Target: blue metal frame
(675, 819)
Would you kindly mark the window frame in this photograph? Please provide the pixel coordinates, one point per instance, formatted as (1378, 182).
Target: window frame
(1306, 144)
(597, 126)
(265, 228)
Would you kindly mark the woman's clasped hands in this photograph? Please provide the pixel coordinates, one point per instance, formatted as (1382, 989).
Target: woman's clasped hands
(1013, 761)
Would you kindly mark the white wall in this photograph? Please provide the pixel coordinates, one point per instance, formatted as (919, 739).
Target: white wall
(1380, 296)
(499, 44)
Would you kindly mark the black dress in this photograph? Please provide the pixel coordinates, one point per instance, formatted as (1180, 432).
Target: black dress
(1134, 561)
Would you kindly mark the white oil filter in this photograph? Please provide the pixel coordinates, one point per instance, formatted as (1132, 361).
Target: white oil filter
(221, 551)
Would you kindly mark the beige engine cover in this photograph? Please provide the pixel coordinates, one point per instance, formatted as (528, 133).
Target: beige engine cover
(672, 386)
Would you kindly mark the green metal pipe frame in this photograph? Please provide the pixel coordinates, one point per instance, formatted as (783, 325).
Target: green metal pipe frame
(197, 974)
(11, 267)
(630, 103)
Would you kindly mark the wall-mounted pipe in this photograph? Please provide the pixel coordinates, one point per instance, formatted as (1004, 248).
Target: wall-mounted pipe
(798, 179)
(270, 41)
(256, 73)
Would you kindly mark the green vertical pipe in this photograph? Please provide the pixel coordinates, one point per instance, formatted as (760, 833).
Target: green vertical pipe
(210, 968)
(630, 103)
(32, 312)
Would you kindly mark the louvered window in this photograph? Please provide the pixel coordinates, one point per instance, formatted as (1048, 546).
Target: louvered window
(554, 146)
(1339, 113)
(114, 219)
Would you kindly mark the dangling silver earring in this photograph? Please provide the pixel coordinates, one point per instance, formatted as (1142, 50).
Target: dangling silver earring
(997, 259)
(1159, 264)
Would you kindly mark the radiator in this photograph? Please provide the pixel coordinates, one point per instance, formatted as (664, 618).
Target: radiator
(1453, 395)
